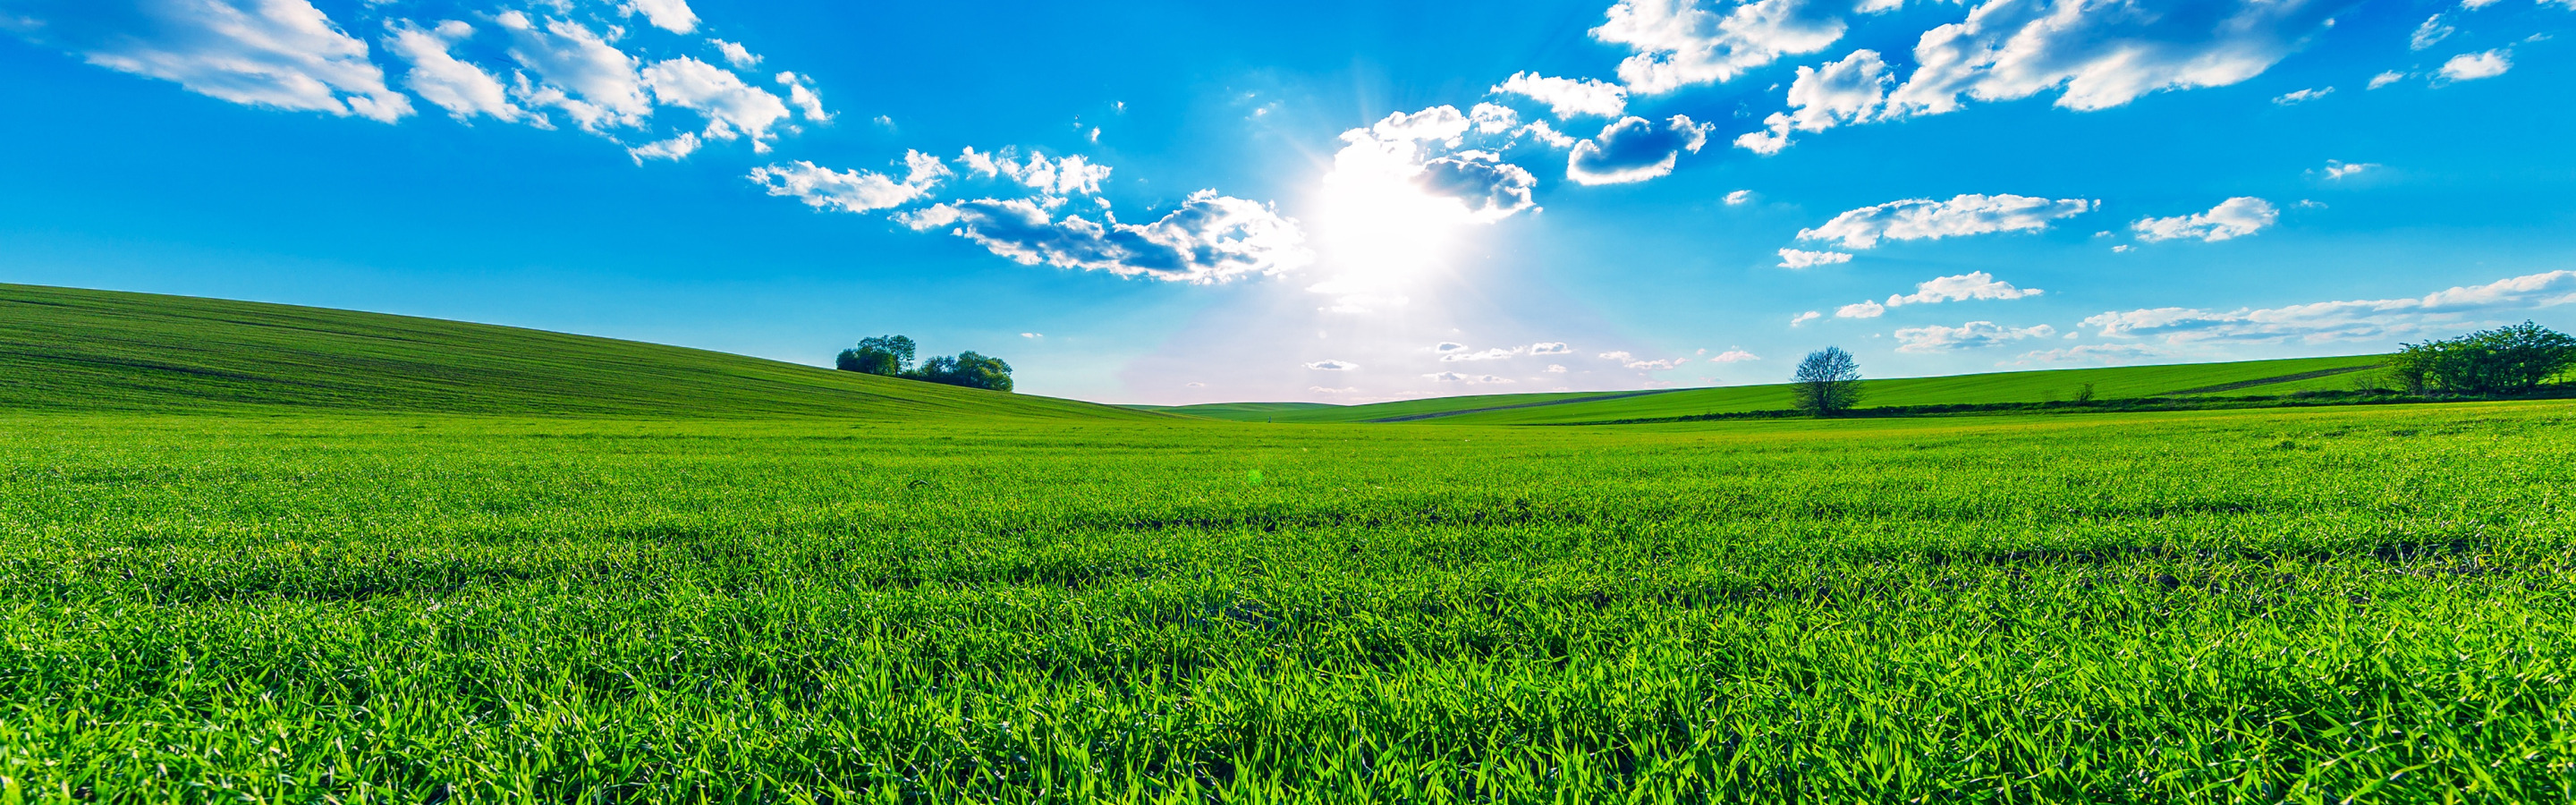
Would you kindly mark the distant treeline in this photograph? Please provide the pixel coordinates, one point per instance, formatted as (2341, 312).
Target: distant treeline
(891, 356)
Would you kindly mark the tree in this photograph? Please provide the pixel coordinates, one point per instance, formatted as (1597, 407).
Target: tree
(967, 369)
(1827, 382)
(2506, 360)
(889, 355)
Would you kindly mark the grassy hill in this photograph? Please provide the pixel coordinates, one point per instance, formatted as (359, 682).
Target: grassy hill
(2109, 383)
(81, 350)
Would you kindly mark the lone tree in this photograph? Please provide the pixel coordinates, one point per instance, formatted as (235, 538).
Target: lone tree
(889, 355)
(2505, 360)
(1827, 382)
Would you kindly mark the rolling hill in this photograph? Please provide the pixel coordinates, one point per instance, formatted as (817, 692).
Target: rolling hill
(2109, 383)
(80, 350)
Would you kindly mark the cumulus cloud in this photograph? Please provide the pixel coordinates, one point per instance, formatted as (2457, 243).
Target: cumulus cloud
(462, 89)
(577, 71)
(1631, 361)
(1923, 218)
(1972, 335)
(2105, 354)
(1860, 310)
(1737, 198)
(1679, 43)
(1070, 176)
(1803, 318)
(2235, 217)
(1734, 356)
(852, 191)
(2094, 54)
(675, 148)
(1490, 188)
(802, 96)
(1800, 258)
(2474, 66)
(1423, 153)
(1455, 377)
(731, 107)
(1210, 239)
(2431, 33)
(2302, 96)
(735, 54)
(1550, 348)
(1971, 285)
(1634, 150)
(1566, 97)
(2336, 169)
(1329, 365)
(669, 15)
(2352, 320)
(1487, 355)
(1488, 118)
(1547, 136)
(282, 54)
(1842, 93)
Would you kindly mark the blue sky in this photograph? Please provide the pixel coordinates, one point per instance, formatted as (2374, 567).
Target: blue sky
(1192, 202)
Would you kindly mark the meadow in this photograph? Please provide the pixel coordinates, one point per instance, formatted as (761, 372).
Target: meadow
(2371, 604)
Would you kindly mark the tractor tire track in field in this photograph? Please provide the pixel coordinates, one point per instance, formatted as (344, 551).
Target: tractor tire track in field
(1439, 414)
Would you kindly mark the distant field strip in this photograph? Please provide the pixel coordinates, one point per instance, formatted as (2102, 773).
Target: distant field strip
(1438, 414)
(2268, 381)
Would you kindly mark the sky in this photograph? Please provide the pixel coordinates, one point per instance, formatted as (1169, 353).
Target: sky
(1182, 202)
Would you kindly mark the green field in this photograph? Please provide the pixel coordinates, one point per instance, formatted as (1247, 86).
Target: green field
(521, 594)
(2056, 385)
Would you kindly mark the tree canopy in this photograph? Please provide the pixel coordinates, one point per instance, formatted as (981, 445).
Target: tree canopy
(1827, 382)
(891, 356)
(2505, 360)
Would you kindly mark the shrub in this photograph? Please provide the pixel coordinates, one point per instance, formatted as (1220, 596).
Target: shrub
(2506, 360)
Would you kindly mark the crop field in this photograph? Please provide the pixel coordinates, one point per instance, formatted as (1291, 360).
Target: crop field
(2308, 606)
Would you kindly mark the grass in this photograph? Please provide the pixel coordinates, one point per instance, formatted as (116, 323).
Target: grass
(2320, 605)
(77, 350)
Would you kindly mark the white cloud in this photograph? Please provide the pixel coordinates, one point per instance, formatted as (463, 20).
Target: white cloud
(2101, 54)
(731, 107)
(591, 81)
(462, 89)
(2235, 217)
(1734, 356)
(1972, 335)
(1489, 118)
(1210, 239)
(1454, 377)
(1678, 43)
(1033, 335)
(1566, 97)
(2104, 354)
(2344, 320)
(1554, 369)
(1739, 198)
(735, 54)
(1550, 348)
(1631, 361)
(668, 15)
(2432, 32)
(803, 97)
(1800, 258)
(851, 191)
(1071, 176)
(1971, 285)
(1842, 93)
(2474, 66)
(1922, 218)
(1487, 355)
(283, 54)
(2386, 78)
(2337, 169)
(1550, 137)
(1860, 310)
(1410, 168)
(1634, 150)
(1332, 366)
(675, 148)
(1803, 318)
(2302, 96)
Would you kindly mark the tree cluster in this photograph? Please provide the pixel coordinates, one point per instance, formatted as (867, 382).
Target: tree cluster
(891, 356)
(2506, 360)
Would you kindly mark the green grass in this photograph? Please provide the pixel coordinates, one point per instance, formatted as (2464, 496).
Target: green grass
(77, 350)
(2308, 606)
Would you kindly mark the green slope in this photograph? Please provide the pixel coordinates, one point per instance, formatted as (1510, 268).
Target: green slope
(66, 349)
(2109, 383)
